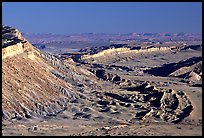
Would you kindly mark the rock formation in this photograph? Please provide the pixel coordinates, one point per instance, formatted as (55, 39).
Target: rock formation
(117, 51)
(12, 42)
(42, 85)
(178, 69)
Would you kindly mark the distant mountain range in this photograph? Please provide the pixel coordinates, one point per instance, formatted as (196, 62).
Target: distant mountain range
(91, 37)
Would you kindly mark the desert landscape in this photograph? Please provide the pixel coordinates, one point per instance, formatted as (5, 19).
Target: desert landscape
(151, 87)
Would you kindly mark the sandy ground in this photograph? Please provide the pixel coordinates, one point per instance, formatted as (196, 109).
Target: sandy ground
(77, 128)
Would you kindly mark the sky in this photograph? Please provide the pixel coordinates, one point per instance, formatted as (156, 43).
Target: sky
(103, 17)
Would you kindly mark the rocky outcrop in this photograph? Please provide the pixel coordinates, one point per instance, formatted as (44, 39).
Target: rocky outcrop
(183, 71)
(12, 50)
(192, 76)
(176, 69)
(12, 42)
(106, 52)
(117, 51)
(102, 74)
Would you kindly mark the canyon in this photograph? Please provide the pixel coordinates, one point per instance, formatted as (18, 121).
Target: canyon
(114, 90)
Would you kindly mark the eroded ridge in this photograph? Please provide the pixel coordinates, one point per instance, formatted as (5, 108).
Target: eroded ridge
(147, 103)
(12, 42)
(142, 103)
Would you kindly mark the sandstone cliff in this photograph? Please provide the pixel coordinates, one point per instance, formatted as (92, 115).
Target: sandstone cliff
(12, 42)
(115, 51)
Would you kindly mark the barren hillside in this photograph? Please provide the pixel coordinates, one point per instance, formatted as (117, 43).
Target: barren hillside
(105, 93)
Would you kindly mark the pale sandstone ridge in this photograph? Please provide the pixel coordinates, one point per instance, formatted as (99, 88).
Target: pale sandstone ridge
(12, 42)
(193, 76)
(115, 51)
(12, 50)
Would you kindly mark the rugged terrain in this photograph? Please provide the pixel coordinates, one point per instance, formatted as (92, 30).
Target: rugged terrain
(113, 90)
(58, 43)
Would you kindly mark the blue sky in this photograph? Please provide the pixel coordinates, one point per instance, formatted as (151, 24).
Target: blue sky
(103, 17)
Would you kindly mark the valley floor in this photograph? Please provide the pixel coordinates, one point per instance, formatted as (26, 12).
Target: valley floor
(85, 128)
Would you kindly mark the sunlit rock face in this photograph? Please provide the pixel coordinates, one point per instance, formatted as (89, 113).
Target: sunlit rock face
(12, 42)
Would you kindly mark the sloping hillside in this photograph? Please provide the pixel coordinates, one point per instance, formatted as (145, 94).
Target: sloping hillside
(37, 84)
(177, 69)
